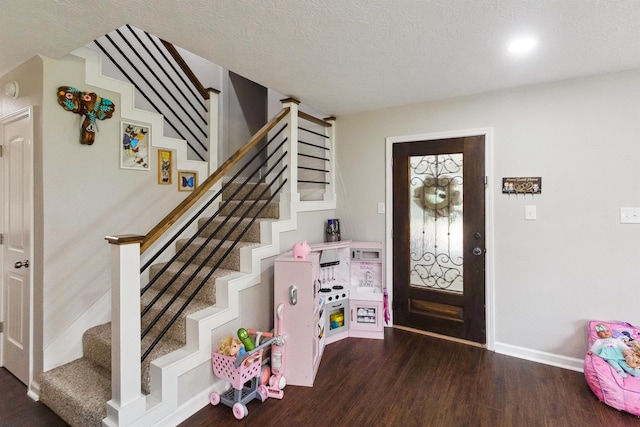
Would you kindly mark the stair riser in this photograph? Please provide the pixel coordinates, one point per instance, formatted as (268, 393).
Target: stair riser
(271, 211)
(97, 350)
(65, 410)
(251, 235)
(207, 293)
(176, 332)
(242, 194)
(230, 262)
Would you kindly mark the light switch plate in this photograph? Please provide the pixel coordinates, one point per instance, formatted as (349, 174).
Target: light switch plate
(530, 213)
(629, 215)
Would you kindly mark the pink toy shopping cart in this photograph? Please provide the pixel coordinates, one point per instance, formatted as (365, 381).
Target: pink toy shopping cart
(240, 371)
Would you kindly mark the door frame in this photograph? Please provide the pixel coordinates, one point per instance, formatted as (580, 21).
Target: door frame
(26, 112)
(489, 219)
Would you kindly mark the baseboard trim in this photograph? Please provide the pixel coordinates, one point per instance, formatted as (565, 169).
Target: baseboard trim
(551, 359)
(190, 407)
(34, 390)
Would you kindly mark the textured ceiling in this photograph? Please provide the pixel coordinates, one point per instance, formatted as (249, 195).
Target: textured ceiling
(343, 56)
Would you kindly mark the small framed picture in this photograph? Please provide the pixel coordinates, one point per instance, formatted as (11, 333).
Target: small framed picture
(134, 147)
(165, 167)
(187, 181)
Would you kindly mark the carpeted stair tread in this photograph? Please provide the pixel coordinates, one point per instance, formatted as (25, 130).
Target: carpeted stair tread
(207, 293)
(230, 261)
(77, 392)
(219, 231)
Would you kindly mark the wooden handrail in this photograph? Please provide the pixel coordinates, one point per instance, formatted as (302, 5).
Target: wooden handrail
(313, 119)
(201, 189)
(204, 92)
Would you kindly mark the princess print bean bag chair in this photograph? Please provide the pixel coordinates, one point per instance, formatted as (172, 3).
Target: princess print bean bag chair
(606, 383)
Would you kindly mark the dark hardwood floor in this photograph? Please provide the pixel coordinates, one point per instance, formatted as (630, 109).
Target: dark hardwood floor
(19, 410)
(406, 380)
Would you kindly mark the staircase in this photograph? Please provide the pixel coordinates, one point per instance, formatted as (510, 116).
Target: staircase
(176, 378)
(78, 391)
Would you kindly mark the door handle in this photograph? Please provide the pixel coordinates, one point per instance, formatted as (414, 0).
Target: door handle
(293, 294)
(20, 264)
(477, 251)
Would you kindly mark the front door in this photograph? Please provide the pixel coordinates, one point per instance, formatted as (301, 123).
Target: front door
(17, 165)
(439, 236)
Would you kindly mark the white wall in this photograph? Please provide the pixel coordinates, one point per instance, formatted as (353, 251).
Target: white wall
(86, 196)
(576, 262)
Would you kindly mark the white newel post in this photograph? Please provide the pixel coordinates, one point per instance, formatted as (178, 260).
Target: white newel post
(214, 129)
(127, 401)
(290, 191)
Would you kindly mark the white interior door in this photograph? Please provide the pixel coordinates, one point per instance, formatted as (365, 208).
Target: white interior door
(17, 198)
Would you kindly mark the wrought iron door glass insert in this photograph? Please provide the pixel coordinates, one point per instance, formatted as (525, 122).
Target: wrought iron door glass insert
(435, 191)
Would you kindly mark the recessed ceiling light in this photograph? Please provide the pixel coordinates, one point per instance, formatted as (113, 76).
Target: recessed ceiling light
(522, 45)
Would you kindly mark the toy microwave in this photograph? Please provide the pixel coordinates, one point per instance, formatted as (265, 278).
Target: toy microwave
(366, 254)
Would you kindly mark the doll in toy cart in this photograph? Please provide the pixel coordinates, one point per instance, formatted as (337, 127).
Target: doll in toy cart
(239, 361)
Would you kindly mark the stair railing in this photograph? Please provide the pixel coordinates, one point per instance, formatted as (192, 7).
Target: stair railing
(238, 229)
(128, 402)
(315, 158)
(165, 82)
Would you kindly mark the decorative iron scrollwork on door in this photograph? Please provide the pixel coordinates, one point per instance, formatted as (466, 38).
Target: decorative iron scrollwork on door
(436, 221)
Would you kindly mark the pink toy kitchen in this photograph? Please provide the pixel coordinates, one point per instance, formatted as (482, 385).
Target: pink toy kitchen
(327, 292)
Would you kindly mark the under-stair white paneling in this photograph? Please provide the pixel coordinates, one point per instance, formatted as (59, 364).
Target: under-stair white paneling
(128, 110)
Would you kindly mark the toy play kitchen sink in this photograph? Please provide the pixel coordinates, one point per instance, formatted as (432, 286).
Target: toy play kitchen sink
(367, 290)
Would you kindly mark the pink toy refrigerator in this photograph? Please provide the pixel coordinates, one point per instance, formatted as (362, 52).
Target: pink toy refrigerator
(297, 285)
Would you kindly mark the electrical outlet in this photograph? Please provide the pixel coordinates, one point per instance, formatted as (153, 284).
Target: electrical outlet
(629, 215)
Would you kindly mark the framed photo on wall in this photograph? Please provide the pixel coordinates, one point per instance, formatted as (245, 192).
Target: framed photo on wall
(134, 147)
(187, 181)
(165, 167)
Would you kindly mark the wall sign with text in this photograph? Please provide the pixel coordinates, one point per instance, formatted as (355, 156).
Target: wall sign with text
(529, 185)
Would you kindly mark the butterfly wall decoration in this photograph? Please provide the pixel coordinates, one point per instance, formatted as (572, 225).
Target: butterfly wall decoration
(187, 181)
(134, 147)
(164, 166)
(90, 106)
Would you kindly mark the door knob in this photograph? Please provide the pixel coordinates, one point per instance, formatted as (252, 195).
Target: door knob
(20, 264)
(477, 251)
